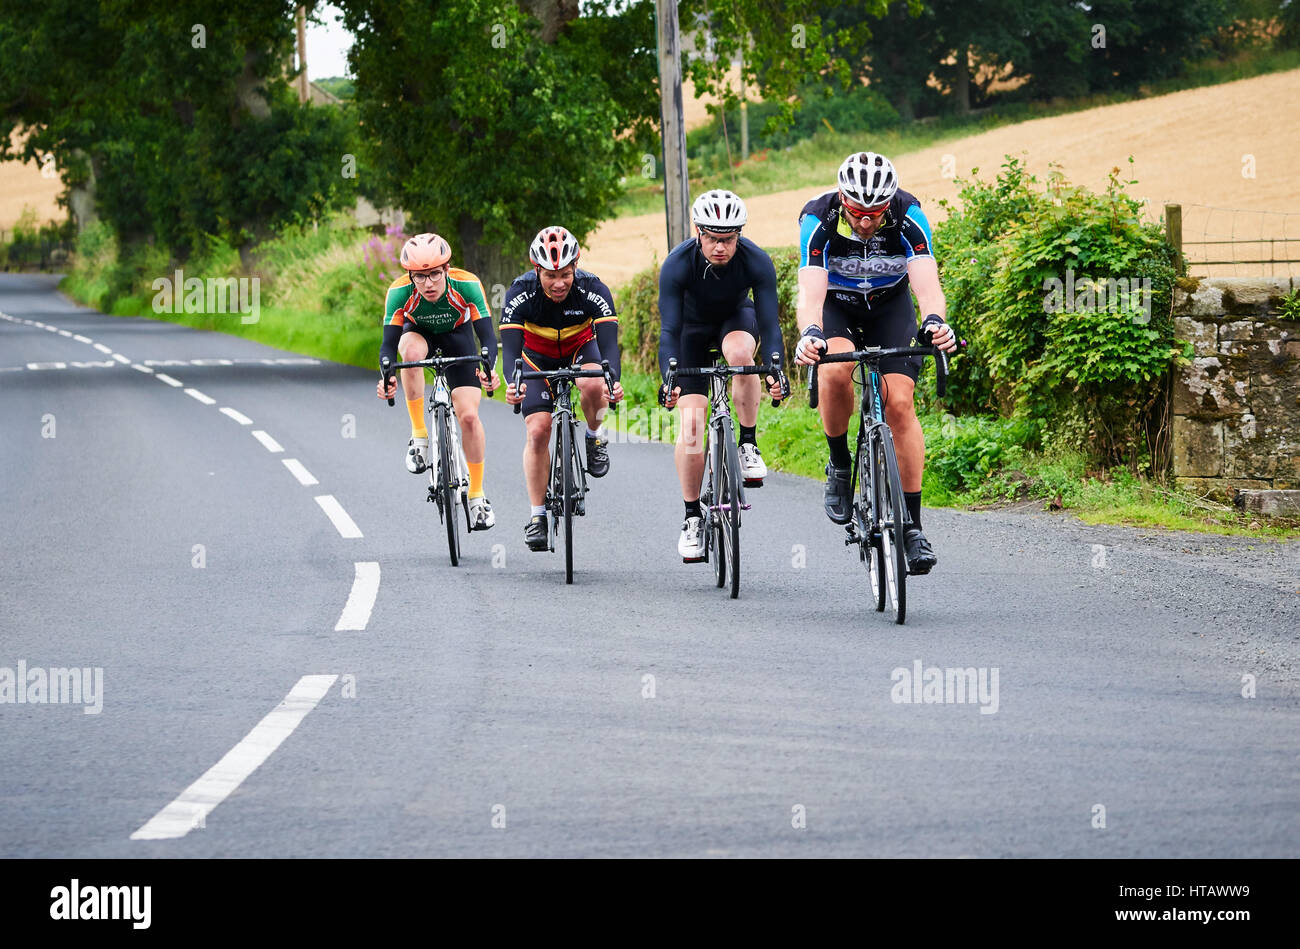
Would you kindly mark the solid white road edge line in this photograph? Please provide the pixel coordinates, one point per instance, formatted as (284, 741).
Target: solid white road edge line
(192, 807)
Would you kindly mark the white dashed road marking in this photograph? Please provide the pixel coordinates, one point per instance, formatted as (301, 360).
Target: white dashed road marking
(239, 417)
(302, 474)
(192, 807)
(196, 394)
(163, 377)
(120, 358)
(339, 517)
(137, 366)
(102, 348)
(269, 443)
(365, 588)
(83, 339)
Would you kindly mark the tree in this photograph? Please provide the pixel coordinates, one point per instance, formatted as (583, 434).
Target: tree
(186, 126)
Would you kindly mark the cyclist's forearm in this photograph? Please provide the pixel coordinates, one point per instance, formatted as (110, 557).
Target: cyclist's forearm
(810, 298)
(512, 347)
(486, 337)
(607, 340)
(388, 348)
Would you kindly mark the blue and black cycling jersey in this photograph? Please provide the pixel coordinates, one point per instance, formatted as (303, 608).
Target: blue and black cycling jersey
(695, 293)
(869, 271)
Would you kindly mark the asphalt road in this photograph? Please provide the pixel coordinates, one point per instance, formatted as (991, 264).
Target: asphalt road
(491, 710)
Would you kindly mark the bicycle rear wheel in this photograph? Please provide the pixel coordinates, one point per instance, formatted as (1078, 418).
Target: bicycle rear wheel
(448, 482)
(889, 495)
(566, 495)
(868, 524)
(730, 505)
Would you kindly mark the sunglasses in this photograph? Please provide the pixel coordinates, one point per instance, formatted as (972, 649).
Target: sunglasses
(859, 213)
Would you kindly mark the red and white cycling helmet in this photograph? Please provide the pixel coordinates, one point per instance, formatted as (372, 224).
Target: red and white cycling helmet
(868, 179)
(554, 248)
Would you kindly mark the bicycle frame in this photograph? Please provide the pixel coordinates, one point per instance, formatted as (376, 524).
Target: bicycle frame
(441, 395)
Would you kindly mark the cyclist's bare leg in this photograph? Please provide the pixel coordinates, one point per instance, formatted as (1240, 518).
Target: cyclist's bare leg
(689, 452)
(594, 398)
(900, 414)
(835, 389)
(537, 453)
(738, 350)
(465, 400)
(412, 347)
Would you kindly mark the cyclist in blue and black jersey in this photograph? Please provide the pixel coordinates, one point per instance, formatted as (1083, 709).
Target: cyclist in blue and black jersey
(861, 248)
(705, 304)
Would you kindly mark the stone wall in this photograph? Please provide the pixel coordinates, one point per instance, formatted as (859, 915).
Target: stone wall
(1236, 407)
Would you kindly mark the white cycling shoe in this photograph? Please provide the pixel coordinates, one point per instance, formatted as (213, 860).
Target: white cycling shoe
(417, 455)
(691, 544)
(480, 514)
(752, 468)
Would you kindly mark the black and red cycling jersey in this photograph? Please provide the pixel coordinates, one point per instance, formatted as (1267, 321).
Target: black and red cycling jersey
(533, 321)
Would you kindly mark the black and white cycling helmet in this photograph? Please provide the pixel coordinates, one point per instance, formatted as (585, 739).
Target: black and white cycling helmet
(868, 179)
(554, 248)
(719, 211)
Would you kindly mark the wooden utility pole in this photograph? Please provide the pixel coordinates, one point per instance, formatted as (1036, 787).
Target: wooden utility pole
(1174, 233)
(304, 91)
(677, 187)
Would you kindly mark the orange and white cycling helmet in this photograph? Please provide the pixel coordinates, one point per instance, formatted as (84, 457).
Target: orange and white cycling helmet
(554, 248)
(425, 252)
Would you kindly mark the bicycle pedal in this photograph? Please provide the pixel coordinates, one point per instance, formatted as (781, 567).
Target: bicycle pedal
(753, 483)
(694, 559)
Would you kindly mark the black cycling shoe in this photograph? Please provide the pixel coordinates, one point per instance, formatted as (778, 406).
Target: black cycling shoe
(838, 499)
(597, 457)
(920, 556)
(535, 533)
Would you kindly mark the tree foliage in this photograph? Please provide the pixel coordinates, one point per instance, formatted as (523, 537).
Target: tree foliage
(186, 125)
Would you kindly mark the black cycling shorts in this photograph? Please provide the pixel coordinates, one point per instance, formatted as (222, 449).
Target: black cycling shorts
(889, 323)
(461, 341)
(538, 396)
(700, 341)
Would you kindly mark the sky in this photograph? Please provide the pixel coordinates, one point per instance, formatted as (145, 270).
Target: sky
(327, 45)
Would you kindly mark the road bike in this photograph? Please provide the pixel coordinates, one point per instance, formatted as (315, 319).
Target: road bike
(722, 491)
(449, 477)
(566, 493)
(880, 519)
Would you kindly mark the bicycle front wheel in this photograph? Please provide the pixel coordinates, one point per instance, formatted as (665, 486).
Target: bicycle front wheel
(868, 523)
(448, 482)
(566, 496)
(889, 494)
(730, 506)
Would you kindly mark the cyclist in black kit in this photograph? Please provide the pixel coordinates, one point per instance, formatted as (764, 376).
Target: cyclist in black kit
(556, 316)
(705, 304)
(861, 247)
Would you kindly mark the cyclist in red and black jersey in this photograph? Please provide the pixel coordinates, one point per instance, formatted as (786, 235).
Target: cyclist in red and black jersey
(557, 316)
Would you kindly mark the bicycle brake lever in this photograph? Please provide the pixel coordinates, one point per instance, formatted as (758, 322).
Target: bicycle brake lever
(385, 375)
(519, 371)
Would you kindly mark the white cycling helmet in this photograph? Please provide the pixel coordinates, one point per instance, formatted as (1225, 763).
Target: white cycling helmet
(868, 179)
(554, 248)
(719, 211)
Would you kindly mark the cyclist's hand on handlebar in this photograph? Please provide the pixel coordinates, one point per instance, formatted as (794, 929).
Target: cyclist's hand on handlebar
(515, 395)
(941, 335)
(774, 388)
(810, 346)
(669, 399)
(618, 393)
(489, 384)
(389, 392)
